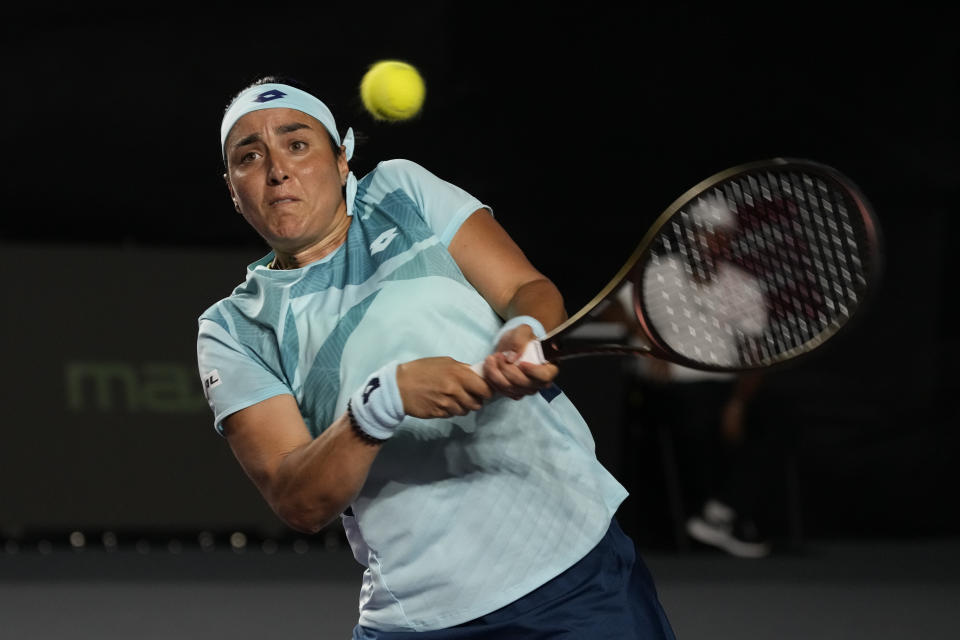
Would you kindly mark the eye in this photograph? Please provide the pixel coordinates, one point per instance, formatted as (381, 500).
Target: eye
(298, 145)
(249, 157)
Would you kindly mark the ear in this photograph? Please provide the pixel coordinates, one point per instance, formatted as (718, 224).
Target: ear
(342, 165)
(233, 195)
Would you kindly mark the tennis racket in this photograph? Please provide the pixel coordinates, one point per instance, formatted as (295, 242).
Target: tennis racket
(753, 267)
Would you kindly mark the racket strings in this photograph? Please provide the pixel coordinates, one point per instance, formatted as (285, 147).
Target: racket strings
(783, 283)
(775, 266)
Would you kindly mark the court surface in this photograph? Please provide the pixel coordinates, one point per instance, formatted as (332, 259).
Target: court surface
(829, 591)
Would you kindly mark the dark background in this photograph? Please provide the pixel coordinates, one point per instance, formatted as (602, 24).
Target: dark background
(577, 125)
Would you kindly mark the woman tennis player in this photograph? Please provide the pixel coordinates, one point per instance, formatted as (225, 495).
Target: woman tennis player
(338, 372)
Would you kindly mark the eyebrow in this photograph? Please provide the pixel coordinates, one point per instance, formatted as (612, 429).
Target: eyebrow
(282, 129)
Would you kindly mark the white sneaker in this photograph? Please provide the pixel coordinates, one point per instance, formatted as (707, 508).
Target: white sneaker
(719, 527)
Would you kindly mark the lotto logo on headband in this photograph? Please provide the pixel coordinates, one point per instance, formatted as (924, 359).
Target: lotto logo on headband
(267, 96)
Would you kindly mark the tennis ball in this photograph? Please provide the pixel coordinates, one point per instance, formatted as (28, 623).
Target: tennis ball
(392, 90)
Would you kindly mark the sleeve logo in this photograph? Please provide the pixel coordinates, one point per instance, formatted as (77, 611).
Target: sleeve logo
(211, 380)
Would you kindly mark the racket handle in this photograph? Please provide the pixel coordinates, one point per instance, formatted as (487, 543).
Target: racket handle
(532, 353)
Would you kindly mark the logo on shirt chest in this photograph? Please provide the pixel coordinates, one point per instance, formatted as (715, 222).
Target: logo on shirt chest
(383, 240)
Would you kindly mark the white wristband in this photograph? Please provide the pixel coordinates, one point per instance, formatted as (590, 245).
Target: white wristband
(376, 406)
(515, 322)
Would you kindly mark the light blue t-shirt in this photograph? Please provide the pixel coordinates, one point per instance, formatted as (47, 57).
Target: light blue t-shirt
(458, 517)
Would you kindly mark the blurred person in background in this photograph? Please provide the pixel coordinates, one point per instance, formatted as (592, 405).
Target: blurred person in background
(706, 411)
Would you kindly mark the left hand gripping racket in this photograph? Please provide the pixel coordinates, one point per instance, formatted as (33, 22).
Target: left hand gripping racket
(753, 267)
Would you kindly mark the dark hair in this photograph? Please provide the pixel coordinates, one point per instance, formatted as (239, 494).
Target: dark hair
(293, 82)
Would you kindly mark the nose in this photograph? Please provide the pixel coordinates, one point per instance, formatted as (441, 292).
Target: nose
(276, 172)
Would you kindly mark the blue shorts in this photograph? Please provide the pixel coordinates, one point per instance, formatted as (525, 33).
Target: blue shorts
(608, 594)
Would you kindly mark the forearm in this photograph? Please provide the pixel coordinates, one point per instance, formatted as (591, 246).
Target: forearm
(539, 299)
(316, 480)
(314, 483)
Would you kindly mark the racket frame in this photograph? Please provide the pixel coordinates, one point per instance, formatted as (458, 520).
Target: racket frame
(557, 345)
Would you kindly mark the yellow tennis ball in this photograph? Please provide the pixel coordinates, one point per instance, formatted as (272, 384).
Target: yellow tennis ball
(392, 90)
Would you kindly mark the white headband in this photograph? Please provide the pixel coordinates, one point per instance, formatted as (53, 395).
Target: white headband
(279, 96)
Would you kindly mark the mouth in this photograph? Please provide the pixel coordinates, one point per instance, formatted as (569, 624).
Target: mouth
(279, 201)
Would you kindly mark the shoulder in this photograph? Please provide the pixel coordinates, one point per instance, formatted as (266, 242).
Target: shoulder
(214, 312)
(214, 320)
(397, 173)
(399, 167)
(251, 289)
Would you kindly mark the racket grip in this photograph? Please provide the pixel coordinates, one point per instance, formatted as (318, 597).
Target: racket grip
(532, 353)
